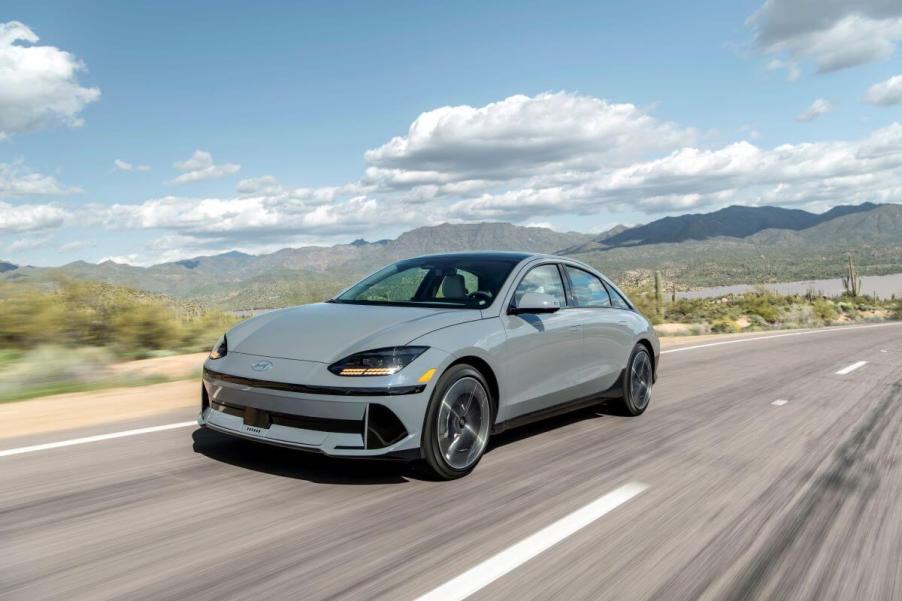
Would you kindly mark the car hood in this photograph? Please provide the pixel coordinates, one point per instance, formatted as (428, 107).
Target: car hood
(327, 332)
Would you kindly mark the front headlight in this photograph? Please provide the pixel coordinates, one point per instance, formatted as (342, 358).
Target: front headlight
(220, 349)
(378, 362)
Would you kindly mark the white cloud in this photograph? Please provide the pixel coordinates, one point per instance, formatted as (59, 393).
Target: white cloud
(18, 180)
(742, 173)
(517, 137)
(885, 93)
(31, 217)
(31, 243)
(819, 107)
(129, 259)
(76, 245)
(121, 165)
(833, 34)
(38, 84)
(201, 167)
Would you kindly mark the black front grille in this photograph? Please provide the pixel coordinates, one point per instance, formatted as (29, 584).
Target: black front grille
(264, 419)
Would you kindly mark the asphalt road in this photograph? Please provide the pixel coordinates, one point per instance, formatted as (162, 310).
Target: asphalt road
(742, 499)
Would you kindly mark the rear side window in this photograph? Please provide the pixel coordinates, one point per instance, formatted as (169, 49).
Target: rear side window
(587, 290)
(545, 279)
(617, 300)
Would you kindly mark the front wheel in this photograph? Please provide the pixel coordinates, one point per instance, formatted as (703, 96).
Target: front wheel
(637, 381)
(457, 424)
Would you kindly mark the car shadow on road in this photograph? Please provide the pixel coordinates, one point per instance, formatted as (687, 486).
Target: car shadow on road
(605, 409)
(314, 467)
(290, 463)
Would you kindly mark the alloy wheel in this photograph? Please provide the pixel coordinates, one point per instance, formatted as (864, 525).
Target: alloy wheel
(463, 423)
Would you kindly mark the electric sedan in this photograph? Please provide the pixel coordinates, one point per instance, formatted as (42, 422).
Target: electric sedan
(428, 357)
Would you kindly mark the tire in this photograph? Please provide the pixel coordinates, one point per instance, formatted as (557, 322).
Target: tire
(456, 431)
(638, 380)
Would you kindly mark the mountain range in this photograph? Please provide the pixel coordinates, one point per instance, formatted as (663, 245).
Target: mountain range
(733, 245)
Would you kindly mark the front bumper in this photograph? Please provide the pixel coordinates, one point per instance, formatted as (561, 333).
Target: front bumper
(349, 417)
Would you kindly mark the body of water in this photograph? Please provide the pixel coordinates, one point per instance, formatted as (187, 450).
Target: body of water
(883, 286)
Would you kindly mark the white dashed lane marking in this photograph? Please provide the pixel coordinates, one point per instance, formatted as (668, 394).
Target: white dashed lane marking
(498, 565)
(849, 369)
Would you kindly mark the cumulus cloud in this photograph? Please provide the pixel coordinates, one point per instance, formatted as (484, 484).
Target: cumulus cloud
(18, 180)
(201, 167)
(817, 108)
(31, 217)
(520, 136)
(121, 165)
(833, 34)
(885, 93)
(38, 84)
(740, 173)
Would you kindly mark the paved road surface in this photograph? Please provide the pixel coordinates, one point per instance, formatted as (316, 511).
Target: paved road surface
(743, 499)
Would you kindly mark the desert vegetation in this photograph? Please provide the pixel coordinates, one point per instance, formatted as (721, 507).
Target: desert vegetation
(65, 337)
(758, 310)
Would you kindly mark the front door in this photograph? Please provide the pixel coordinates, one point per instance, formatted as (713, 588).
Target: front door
(543, 351)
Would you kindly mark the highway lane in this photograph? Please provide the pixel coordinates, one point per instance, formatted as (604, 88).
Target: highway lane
(744, 499)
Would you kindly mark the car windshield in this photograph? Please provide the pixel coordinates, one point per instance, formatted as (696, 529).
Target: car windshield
(447, 281)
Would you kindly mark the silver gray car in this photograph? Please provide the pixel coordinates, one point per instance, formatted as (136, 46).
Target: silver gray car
(428, 357)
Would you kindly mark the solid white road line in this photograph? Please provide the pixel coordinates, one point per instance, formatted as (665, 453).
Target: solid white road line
(99, 437)
(779, 402)
(493, 568)
(756, 338)
(851, 368)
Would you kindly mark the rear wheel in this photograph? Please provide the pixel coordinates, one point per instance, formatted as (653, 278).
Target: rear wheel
(637, 381)
(457, 424)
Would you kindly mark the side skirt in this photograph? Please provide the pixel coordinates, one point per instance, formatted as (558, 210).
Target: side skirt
(613, 392)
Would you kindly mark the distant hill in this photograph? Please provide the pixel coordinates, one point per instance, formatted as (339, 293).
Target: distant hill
(6, 266)
(874, 237)
(734, 245)
(735, 222)
(240, 279)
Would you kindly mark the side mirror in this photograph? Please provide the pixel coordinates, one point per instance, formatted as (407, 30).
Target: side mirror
(536, 302)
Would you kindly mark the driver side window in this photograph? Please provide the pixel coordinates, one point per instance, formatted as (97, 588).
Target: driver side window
(545, 279)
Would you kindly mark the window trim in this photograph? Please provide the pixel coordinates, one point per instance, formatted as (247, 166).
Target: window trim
(570, 284)
(526, 272)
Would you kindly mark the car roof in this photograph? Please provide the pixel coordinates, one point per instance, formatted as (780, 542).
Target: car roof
(482, 255)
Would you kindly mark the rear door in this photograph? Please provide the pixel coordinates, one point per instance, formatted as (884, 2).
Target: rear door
(607, 335)
(542, 352)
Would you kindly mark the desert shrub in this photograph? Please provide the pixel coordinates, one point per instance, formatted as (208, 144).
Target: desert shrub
(762, 304)
(725, 326)
(824, 309)
(47, 365)
(92, 314)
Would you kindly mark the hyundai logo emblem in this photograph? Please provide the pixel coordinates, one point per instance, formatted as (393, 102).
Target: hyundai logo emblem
(262, 365)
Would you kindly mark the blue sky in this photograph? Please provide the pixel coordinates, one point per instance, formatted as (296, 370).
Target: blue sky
(575, 115)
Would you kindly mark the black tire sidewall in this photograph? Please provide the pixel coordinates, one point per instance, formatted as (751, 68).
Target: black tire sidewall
(628, 405)
(432, 455)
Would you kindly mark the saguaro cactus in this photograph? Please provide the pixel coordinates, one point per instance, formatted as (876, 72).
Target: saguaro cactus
(659, 294)
(851, 282)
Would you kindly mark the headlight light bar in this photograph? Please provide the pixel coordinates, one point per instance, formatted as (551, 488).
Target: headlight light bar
(377, 362)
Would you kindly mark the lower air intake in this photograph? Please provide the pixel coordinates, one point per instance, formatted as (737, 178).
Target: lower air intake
(383, 428)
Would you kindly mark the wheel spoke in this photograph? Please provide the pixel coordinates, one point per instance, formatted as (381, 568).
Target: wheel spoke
(640, 380)
(463, 423)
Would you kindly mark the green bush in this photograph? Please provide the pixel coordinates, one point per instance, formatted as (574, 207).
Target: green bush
(130, 322)
(824, 309)
(725, 326)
